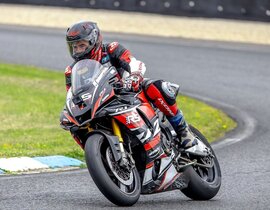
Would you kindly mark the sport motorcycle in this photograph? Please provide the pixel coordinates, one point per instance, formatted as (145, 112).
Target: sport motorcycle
(130, 147)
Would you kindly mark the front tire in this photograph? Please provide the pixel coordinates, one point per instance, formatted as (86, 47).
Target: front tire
(121, 187)
(204, 183)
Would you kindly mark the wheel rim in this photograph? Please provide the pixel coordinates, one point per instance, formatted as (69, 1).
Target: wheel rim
(207, 174)
(125, 177)
(124, 180)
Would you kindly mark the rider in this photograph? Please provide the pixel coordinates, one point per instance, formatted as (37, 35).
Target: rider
(84, 41)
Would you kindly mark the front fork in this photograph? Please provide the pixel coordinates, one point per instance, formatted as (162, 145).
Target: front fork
(117, 132)
(125, 156)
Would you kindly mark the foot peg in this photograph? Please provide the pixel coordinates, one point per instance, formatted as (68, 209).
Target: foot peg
(199, 149)
(183, 163)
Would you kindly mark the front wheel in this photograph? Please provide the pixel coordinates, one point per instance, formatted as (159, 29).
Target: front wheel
(204, 182)
(120, 185)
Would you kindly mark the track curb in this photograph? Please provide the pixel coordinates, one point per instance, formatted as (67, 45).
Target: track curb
(245, 123)
(21, 165)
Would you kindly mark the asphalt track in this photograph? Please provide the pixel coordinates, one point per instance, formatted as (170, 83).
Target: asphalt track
(231, 76)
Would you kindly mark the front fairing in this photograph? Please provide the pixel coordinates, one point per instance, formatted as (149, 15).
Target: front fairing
(90, 89)
(80, 105)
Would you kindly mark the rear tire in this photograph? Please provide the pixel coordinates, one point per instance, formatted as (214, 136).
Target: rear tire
(204, 183)
(97, 152)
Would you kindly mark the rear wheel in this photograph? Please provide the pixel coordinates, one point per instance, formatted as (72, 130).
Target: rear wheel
(204, 182)
(121, 185)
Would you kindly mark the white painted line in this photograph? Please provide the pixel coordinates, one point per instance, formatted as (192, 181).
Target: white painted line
(248, 126)
(20, 164)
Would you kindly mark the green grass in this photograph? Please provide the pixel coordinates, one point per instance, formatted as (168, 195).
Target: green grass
(31, 100)
(213, 123)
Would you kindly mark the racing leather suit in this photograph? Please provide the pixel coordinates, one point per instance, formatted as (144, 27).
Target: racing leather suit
(159, 92)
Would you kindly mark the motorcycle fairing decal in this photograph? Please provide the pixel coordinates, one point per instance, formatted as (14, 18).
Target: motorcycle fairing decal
(71, 119)
(69, 101)
(146, 136)
(149, 165)
(86, 96)
(167, 173)
(78, 141)
(152, 143)
(148, 176)
(156, 127)
(154, 153)
(166, 162)
(97, 104)
(139, 136)
(105, 98)
(102, 99)
(123, 109)
(168, 178)
(131, 119)
(115, 106)
(108, 96)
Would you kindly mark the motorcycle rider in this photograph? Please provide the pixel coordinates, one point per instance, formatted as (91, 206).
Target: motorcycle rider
(84, 41)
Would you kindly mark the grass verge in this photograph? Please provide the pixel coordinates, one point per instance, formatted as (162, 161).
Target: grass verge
(31, 100)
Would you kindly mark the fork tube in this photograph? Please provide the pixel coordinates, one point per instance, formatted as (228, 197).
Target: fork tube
(117, 132)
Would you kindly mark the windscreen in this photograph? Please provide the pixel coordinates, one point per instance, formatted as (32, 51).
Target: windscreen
(84, 74)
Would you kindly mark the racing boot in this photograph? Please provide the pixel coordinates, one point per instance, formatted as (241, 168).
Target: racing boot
(186, 137)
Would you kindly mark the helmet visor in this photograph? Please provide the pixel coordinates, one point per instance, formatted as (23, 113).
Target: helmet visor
(78, 48)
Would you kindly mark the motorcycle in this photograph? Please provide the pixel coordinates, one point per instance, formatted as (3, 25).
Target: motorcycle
(130, 147)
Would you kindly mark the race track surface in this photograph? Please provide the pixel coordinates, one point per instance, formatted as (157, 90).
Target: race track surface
(229, 75)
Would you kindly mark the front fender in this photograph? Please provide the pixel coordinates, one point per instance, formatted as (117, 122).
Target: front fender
(113, 141)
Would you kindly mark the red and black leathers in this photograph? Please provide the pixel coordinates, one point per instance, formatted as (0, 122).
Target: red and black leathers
(162, 96)
(159, 92)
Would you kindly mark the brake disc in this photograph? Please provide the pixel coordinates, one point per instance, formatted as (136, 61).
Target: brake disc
(124, 176)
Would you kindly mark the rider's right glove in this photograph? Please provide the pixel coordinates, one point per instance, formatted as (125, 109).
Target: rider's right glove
(132, 82)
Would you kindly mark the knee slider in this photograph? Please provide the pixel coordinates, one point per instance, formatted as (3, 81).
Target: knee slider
(169, 90)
